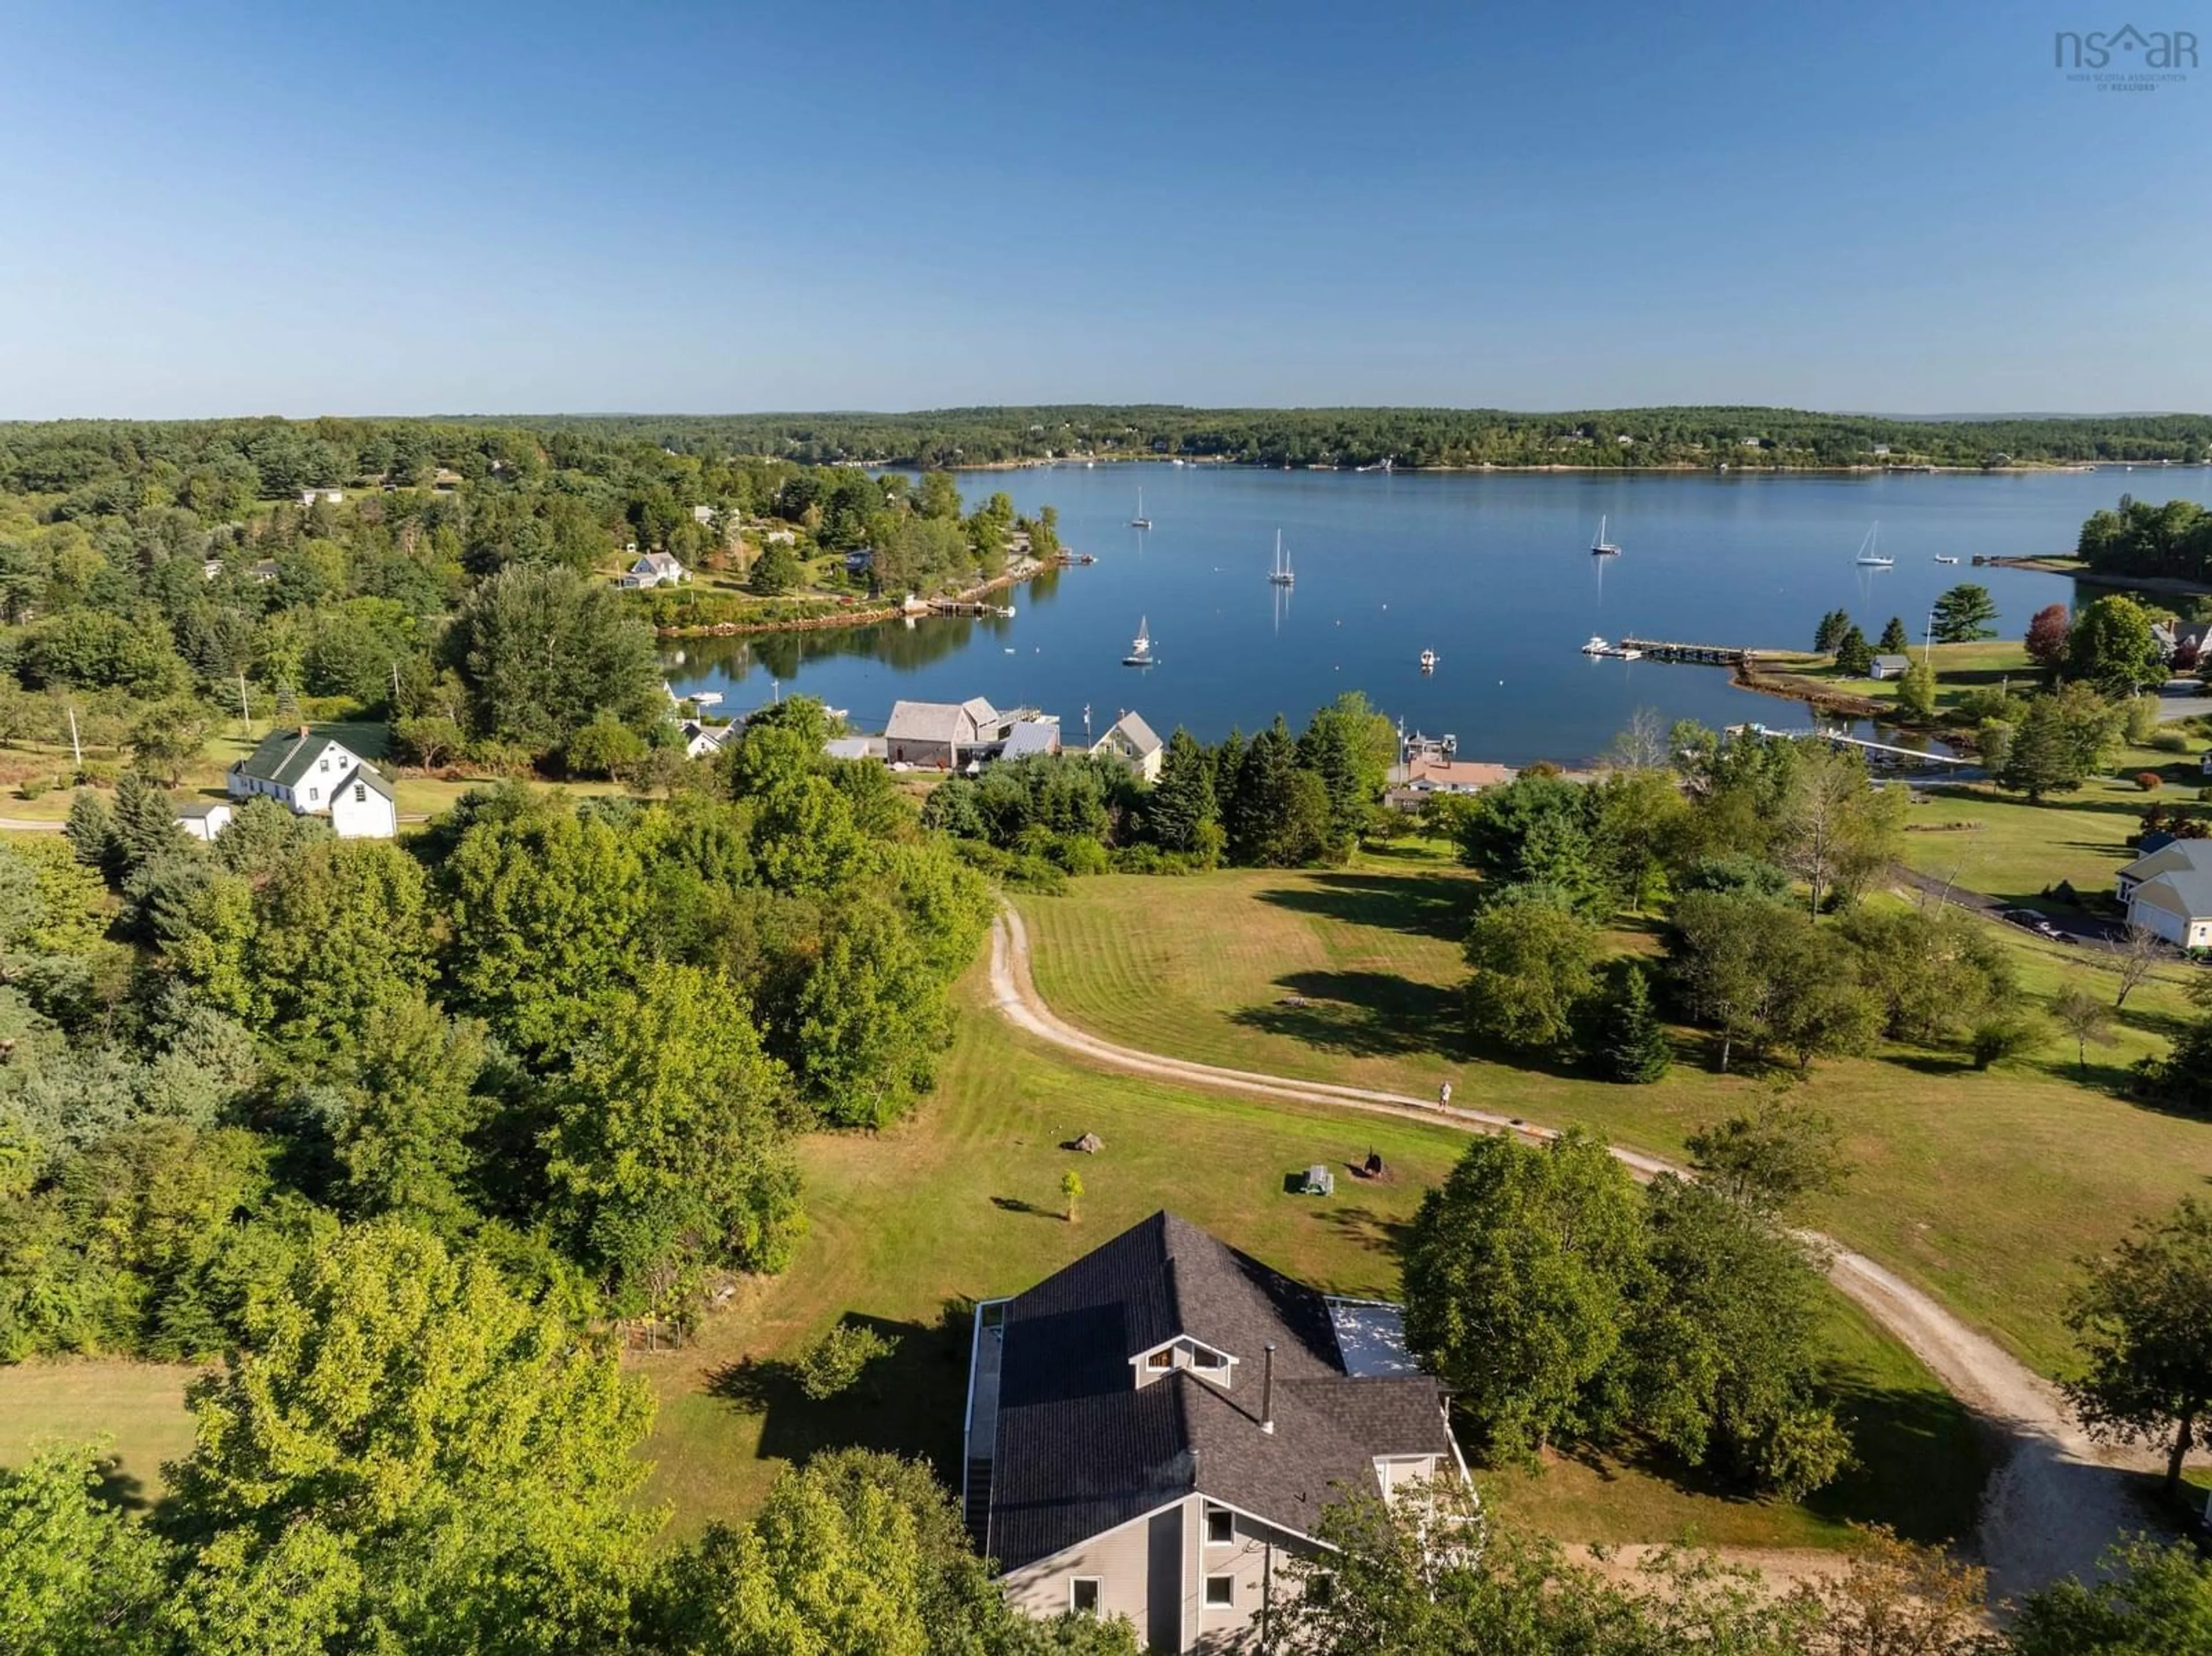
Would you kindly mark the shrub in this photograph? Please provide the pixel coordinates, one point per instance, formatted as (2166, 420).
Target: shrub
(834, 1363)
(2169, 740)
(2004, 1034)
(2149, 781)
(33, 786)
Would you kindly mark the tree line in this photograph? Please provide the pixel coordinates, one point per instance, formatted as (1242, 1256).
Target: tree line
(1741, 437)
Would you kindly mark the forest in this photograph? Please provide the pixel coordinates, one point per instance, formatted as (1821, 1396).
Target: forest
(1754, 437)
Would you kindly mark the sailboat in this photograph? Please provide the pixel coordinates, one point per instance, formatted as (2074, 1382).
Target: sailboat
(1602, 548)
(1428, 661)
(1280, 575)
(1141, 521)
(1140, 647)
(1870, 559)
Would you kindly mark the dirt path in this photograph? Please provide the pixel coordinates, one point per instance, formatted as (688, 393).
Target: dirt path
(2055, 1500)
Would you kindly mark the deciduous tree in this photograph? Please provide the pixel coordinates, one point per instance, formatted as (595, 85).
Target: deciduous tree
(2143, 1320)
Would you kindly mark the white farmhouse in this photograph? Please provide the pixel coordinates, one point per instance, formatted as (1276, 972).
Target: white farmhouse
(313, 776)
(655, 569)
(704, 740)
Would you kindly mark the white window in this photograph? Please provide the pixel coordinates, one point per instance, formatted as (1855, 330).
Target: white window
(1083, 1595)
(1220, 1527)
(1221, 1592)
(326, 761)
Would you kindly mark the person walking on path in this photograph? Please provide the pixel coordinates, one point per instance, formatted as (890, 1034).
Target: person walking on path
(1443, 1096)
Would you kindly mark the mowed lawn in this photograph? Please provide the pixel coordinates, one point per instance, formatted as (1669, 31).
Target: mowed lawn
(962, 1201)
(1984, 1187)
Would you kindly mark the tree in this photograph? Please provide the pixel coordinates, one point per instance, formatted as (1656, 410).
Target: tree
(1772, 1160)
(1534, 959)
(403, 1139)
(1183, 800)
(1726, 1352)
(168, 737)
(833, 1365)
(145, 822)
(90, 831)
(2146, 1600)
(2084, 1017)
(1830, 633)
(667, 1147)
(1636, 1048)
(1071, 1191)
(1916, 689)
(857, 1554)
(2142, 1318)
(775, 571)
(543, 652)
(2113, 648)
(2134, 954)
(1539, 829)
(1520, 1272)
(2049, 635)
(2059, 743)
(1894, 640)
(78, 1576)
(605, 747)
(1854, 655)
(1964, 613)
(1838, 830)
(446, 1454)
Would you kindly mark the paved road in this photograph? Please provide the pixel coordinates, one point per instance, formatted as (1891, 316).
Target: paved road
(2081, 927)
(2057, 1500)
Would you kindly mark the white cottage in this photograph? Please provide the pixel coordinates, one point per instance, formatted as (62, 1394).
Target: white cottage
(655, 569)
(315, 775)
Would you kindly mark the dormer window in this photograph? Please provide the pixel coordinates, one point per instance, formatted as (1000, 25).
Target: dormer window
(1202, 1357)
(1163, 1359)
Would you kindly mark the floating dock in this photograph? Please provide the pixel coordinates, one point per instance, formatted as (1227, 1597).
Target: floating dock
(1701, 655)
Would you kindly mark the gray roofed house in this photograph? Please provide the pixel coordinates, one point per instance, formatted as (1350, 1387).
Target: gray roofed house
(1029, 737)
(2177, 905)
(942, 735)
(654, 569)
(1134, 743)
(1152, 1430)
(1891, 666)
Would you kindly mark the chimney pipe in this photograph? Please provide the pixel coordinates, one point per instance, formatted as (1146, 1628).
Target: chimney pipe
(1268, 1389)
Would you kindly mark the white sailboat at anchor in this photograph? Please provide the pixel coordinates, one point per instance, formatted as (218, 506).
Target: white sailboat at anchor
(1280, 575)
(1140, 647)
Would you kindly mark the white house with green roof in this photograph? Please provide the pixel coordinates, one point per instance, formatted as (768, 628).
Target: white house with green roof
(315, 775)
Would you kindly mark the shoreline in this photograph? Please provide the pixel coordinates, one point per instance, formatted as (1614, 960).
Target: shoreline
(873, 616)
(2059, 564)
(1732, 469)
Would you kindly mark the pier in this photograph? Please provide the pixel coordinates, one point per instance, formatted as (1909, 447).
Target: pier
(1703, 655)
(1840, 739)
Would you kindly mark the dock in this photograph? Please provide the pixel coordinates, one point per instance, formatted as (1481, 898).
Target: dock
(1702, 655)
(1840, 739)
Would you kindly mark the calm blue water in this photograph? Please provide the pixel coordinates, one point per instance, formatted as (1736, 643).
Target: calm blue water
(1491, 571)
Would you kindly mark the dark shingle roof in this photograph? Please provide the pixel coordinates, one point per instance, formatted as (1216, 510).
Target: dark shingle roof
(1081, 1447)
(284, 756)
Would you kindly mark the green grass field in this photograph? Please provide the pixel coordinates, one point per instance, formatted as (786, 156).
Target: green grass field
(964, 1201)
(1983, 1186)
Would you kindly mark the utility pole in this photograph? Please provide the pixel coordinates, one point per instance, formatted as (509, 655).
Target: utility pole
(75, 747)
(395, 686)
(245, 708)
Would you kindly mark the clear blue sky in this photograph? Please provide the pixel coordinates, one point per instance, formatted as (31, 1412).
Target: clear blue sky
(409, 208)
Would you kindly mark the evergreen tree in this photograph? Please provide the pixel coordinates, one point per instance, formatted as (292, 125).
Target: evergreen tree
(1893, 641)
(1854, 655)
(1830, 631)
(775, 571)
(145, 821)
(1636, 1048)
(1183, 796)
(1964, 613)
(90, 831)
(1265, 791)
